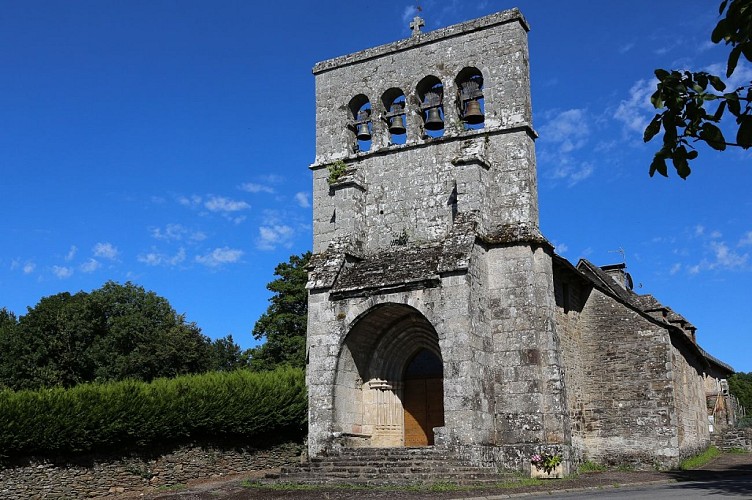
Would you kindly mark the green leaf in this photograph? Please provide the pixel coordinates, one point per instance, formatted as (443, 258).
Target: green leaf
(713, 136)
(653, 128)
(661, 74)
(692, 155)
(722, 7)
(657, 99)
(734, 106)
(744, 135)
(717, 83)
(681, 166)
(747, 50)
(720, 31)
(719, 112)
(733, 60)
(658, 165)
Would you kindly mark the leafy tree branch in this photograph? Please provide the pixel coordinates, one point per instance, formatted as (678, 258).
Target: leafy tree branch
(685, 98)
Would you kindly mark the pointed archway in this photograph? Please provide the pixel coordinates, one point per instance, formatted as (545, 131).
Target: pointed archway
(390, 352)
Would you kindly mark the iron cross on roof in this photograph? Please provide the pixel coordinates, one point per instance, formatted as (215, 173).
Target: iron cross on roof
(416, 25)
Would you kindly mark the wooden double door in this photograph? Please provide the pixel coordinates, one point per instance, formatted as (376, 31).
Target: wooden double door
(423, 399)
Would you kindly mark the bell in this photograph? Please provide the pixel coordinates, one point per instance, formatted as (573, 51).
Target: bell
(397, 125)
(434, 121)
(363, 133)
(473, 114)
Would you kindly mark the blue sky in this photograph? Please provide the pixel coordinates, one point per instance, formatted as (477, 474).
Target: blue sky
(167, 143)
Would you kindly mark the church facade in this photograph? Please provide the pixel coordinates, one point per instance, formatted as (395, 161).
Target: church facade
(439, 315)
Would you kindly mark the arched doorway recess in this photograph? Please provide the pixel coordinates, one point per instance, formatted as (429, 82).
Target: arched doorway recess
(390, 353)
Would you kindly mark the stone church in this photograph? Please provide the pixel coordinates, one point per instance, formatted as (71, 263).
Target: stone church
(439, 315)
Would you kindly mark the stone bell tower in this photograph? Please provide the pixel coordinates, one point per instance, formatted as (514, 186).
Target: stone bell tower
(431, 305)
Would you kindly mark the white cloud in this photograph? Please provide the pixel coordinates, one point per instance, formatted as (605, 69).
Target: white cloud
(90, 266)
(176, 232)
(220, 256)
(636, 111)
(252, 187)
(561, 248)
(569, 130)
(62, 272)
(303, 199)
(626, 48)
(675, 269)
(105, 250)
(29, 267)
(726, 258)
(746, 240)
(222, 204)
(272, 236)
(189, 201)
(71, 253)
(408, 14)
(160, 259)
(562, 135)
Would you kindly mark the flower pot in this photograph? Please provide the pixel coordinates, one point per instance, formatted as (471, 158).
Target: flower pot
(555, 473)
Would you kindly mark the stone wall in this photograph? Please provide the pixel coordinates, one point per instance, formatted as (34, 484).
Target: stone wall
(627, 402)
(107, 475)
(689, 399)
(733, 439)
(571, 295)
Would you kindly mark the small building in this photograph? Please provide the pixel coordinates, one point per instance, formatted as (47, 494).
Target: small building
(439, 315)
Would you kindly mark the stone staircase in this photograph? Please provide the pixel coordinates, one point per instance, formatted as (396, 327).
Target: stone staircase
(390, 466)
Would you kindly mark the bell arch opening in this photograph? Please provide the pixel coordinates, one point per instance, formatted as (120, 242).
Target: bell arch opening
(390, 353)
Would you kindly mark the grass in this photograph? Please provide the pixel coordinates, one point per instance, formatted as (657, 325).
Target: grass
(435, 487)
(699, 459)
(736, 451)
(172, 487)
(589, 466)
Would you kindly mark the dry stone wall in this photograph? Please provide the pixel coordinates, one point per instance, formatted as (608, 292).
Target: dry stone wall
(102, 476)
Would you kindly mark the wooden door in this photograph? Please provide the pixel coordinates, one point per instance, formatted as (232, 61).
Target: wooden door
(423, 402)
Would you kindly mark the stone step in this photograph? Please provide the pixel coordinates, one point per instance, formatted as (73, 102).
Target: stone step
(387, 466)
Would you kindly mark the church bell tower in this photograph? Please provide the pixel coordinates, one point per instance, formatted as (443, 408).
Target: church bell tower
(431, 303)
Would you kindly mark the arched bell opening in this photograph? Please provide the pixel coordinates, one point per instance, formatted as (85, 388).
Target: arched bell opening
(395, 116)
(360, 122)
(431, 95)
(470, 100)
(384, 351)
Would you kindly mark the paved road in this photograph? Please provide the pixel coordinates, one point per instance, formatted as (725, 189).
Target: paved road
(728, 488)
(728, 476)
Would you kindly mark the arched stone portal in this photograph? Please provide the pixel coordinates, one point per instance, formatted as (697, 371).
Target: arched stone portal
(388, 353)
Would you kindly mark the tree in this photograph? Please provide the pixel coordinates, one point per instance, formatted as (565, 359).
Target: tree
(684, 97)
(113, 333)
(740, 385)
(145, 338)
(284, 322)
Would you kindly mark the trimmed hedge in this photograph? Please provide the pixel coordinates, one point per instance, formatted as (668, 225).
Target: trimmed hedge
(116, 415)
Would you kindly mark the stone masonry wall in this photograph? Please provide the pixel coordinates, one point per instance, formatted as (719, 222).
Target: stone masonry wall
(571, 296)
(530, 397)
(627, 401)
(689, 397)
(733, 439)
(102, 476)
